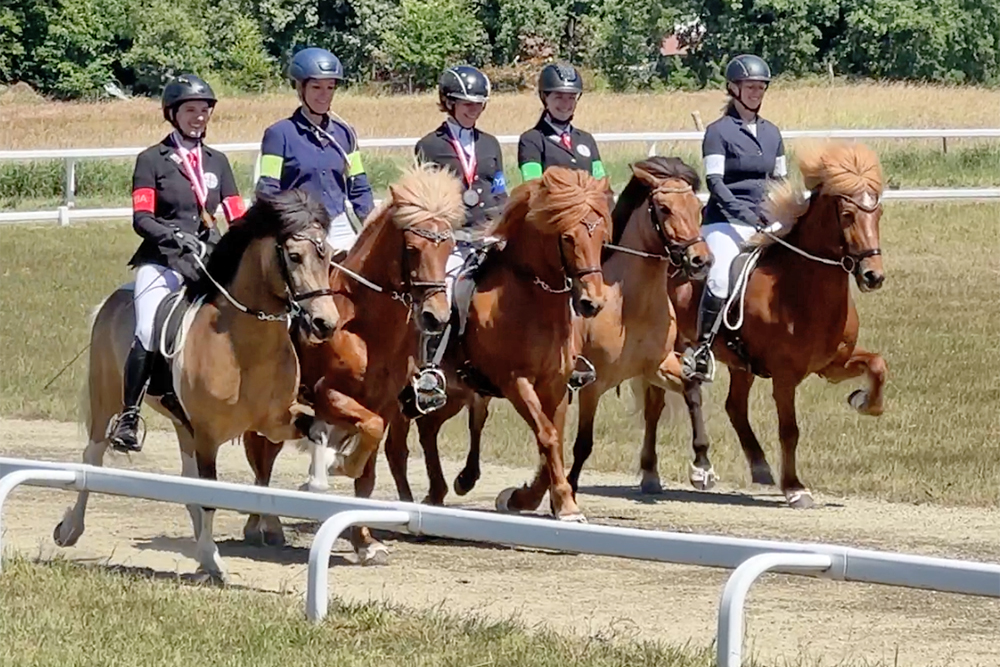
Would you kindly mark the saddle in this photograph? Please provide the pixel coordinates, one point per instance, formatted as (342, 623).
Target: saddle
(732, 312)
(169, 324)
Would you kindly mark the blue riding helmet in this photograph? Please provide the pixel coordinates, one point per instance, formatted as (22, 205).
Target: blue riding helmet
(314, 63)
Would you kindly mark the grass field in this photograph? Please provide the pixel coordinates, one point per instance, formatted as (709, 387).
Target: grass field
(70, 616)
(33, 123)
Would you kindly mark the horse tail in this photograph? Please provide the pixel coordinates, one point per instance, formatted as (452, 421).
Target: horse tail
(84, 406)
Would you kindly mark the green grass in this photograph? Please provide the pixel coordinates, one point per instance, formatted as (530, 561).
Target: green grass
(934, 322)
(39, 185)
(70, 616)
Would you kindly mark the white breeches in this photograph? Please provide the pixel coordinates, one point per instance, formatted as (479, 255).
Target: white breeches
(341, 235)
(152, 284)
(724, 240)
(453, 266)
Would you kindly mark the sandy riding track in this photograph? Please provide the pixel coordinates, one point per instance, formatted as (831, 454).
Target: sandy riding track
(606, 598)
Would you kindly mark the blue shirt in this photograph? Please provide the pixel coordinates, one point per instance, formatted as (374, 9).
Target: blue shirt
(296, 154)
(738, 165)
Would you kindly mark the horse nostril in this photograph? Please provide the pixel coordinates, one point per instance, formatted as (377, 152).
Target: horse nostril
(873, 279)
(322, 327)
(430, 322)
(697, 261)
(588, 308)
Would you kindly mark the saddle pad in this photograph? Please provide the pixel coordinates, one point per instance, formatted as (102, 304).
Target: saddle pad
(739, 276)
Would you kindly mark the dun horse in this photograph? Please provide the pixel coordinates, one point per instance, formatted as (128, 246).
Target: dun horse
(354, 378)
(234, 368)
(519, 342)
(799, 316)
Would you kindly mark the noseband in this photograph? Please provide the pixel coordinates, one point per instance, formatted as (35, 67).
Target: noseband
(851, 262)
(676, 251)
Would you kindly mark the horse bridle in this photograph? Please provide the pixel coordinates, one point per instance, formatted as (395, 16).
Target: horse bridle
(851, 262)
(568, 276)
(676, 251)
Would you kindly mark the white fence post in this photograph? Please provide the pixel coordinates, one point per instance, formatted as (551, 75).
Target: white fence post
(10, 482)
(729, 651)
(317, 585)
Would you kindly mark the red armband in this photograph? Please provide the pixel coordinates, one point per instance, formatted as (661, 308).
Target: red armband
(233, 207)
(143, 200)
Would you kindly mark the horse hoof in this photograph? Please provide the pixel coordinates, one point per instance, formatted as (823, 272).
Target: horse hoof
(462, 486)
(650, 484)
(574, 517)
(801, 499)
(373, 554)
(701, 479)
(204, 577)
(762, 475)
(503, 500)
(859, 400)
(433, 502)
(66, 533)
(314, 487)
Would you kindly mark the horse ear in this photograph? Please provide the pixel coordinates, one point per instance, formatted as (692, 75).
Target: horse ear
(645, 176)
(392, 192)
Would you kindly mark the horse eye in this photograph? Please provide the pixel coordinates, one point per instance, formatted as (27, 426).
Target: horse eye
(295, 257)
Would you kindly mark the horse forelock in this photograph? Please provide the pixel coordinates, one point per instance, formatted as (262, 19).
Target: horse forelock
(564, 198)
(843, 169)
(425, 193)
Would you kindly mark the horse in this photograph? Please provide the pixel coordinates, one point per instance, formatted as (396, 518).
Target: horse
(798, 314)
(233, 367)
(553, 231)
(634, 333)
(388, 290)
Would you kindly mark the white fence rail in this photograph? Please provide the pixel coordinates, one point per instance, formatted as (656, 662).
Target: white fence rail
(65, 213)
(750, 558)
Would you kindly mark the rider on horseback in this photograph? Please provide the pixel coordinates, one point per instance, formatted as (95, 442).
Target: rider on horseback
(177, 186)
(742, 151)
(317, 150)
(475, 157)
(554, 140)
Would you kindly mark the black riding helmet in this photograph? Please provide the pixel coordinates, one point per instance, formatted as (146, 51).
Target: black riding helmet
(746, 67)
(463, 83)
(559, 78)
(185, 88)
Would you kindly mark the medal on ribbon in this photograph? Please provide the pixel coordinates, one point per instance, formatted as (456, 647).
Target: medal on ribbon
(468, 163)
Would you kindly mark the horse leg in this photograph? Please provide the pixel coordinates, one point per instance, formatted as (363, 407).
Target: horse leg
(198, 460)
(479, 410)
(428, 428)
(584, 443)
(850, 364)
(738, 409)
(653, 403)
(397, 453)
(546, 418)
(796, 494)
(70, 529)
(261, 454)
(334, 407)
(369, 550)
(702, 474)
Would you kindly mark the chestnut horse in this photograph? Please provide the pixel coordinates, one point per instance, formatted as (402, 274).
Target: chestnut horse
(234, 368)
(520, 342)
(799, 316)
(389, 288)
(632, 336)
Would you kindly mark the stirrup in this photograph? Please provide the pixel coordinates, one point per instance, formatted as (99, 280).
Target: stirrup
(580, 379)
(429, 390)
(690, 361)
(118, 441)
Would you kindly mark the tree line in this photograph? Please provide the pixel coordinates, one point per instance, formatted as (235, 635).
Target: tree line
(73, 49)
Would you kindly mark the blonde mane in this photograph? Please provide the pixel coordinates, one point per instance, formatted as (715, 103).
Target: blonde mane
(561, 198)
(423, 192)
(835, 168)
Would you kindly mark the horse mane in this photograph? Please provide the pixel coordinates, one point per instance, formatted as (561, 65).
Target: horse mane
(561, 198)
(279, 215)
(427, 192)
(837, 168)
(637, 190)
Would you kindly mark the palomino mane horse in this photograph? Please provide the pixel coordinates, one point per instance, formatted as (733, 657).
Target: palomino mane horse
(656, 233)
(553, 229)
(235, 368)
(799, 317)
(389, 289)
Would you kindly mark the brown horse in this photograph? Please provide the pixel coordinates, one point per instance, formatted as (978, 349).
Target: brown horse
(354, 378)
(234, 368)
(553, 229)
(799, 316)
(656, 238)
